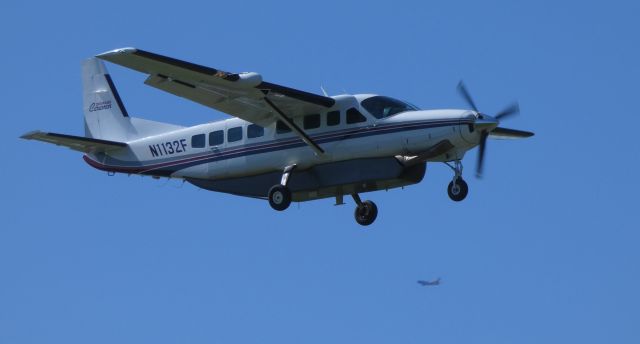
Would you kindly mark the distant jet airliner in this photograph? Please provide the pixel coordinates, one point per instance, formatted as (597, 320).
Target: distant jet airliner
(430, 283)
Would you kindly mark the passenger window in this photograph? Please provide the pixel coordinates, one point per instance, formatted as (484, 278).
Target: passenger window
(333, 118)
(254, 130)
(311, 121)
(216, 138)
(354, 116)
(197, 141)
(282, 128)
(234, 134)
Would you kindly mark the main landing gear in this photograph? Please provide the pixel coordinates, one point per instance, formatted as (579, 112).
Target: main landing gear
(279, 194)
(458, 188)
(366, 212)
(280, 199)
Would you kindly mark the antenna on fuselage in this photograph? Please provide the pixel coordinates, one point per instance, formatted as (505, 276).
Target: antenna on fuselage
(323, 91)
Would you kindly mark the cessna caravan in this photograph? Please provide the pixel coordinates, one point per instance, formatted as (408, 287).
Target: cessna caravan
(280, 144)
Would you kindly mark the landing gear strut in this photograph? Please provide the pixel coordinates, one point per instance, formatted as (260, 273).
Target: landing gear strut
(279, 194)
(458, 188)
(366, 212)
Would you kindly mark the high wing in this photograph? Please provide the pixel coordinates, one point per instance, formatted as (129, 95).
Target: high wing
(243, 95)
(79, 143)
(238, 94)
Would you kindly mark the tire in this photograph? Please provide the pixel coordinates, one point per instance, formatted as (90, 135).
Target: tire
(366, 213)
(279, 197)
(460, 192)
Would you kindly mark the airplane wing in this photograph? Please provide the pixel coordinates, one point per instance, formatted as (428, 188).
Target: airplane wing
(79, 143)
(238, 94)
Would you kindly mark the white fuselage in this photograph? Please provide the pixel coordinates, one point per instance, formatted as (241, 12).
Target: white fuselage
(185, 153)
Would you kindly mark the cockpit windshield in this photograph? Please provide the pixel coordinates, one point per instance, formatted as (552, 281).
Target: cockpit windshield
(381, 106)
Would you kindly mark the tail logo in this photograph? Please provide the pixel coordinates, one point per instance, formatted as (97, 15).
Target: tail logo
(100, 106)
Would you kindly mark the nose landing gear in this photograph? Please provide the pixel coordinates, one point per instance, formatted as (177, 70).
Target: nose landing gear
(458, 188)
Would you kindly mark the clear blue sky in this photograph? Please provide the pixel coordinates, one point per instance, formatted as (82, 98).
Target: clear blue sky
(544, 249)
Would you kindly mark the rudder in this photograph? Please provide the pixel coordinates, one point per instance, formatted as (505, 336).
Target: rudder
(105, 116)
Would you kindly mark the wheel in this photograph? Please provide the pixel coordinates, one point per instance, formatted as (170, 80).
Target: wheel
(366, 213)
(459, 191)
(279, 197)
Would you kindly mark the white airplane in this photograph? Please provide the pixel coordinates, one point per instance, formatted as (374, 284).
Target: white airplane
(283, 144)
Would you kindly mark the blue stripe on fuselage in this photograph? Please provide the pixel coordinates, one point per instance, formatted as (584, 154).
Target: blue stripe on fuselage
(169, 167)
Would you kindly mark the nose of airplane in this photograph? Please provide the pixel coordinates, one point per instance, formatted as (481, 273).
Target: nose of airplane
(486, 123)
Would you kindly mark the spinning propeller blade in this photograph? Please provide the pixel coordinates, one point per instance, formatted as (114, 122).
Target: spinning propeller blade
(511, 110)
(481, 150)
(465, 94)
(490, 124)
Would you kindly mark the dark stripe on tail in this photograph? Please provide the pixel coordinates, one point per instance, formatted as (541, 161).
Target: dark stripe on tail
(116, 95)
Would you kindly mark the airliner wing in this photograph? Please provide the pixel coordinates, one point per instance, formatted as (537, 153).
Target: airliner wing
(238, 94)
(79, 143)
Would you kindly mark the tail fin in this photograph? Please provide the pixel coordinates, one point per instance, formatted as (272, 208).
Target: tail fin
(105, 116)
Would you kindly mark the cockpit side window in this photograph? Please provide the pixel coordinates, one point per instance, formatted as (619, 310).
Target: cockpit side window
(354, 116)
(381, 106)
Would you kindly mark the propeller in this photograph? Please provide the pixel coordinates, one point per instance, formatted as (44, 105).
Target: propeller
(488, 124)
(510, 110)
(465, 94)
(481, 150)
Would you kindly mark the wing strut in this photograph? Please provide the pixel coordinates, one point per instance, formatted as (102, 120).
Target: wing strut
(286, 120)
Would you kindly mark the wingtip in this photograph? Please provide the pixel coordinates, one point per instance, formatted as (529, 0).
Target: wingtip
(29, 135)
(114, 52)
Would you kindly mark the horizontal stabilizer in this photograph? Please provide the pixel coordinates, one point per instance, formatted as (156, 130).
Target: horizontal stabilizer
(505, 133)
(79, 143)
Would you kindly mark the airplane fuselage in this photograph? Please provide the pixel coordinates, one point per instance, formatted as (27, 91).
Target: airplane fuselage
(235, 148)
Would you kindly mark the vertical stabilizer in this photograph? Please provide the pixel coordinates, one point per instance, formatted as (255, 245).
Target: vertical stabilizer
(105, 116)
